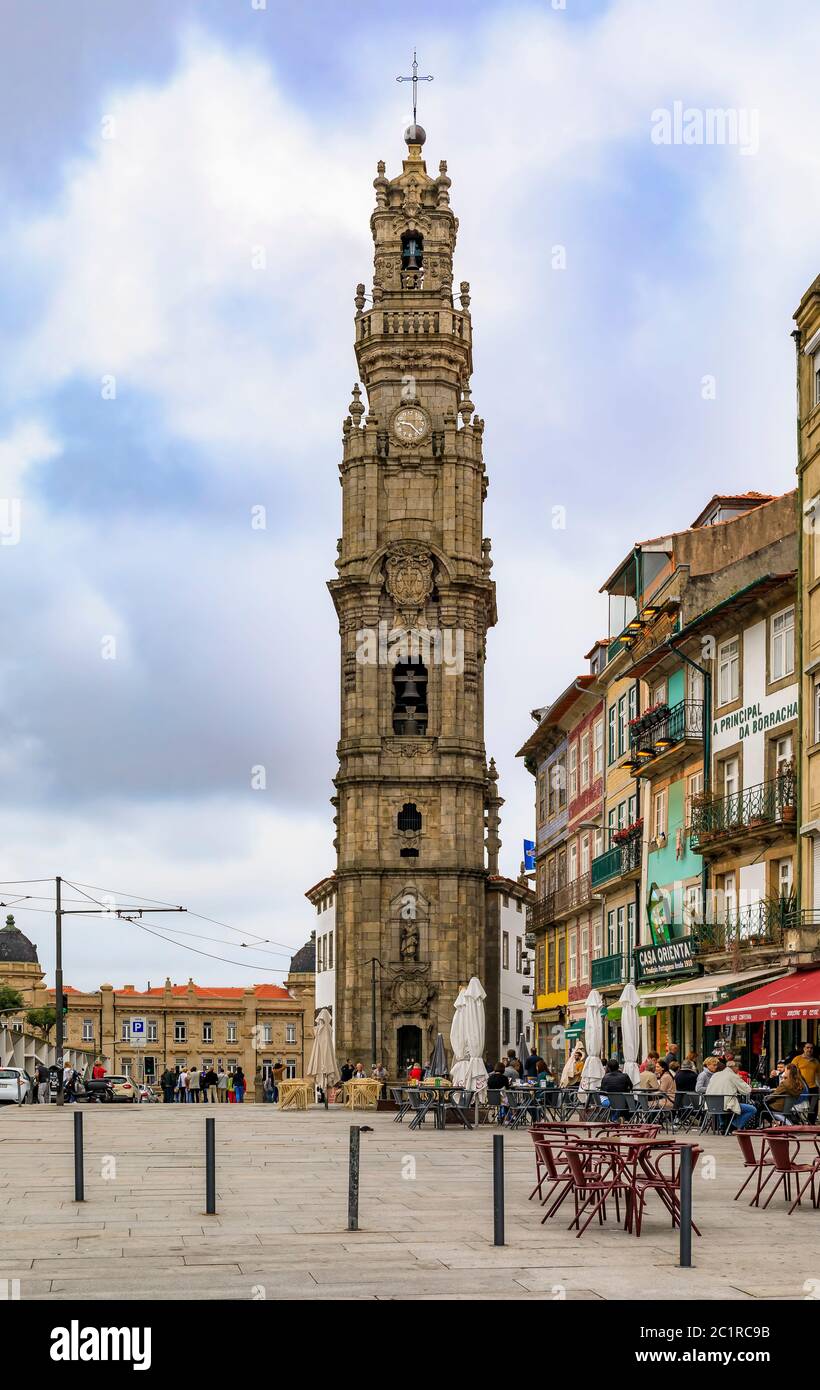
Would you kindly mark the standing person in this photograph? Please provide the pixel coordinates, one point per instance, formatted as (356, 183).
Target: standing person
(68, 1082)
(222, 1085)
(43, 1087)
(167, 1081)
(182, 1085)
(347, 1071)
(809, 1068)
(193, 1084)
(203, 1084)
(239, 1085)
(268, 1088)
(277, 1072)
(211, 1081)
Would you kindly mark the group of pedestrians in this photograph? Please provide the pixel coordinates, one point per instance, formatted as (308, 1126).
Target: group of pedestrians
(202, 1085)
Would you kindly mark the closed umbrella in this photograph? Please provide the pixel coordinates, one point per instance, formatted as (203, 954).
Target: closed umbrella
(323, 1065)
(438, 1061)
(469, 1067)
(630, 1031)
(594, 1040)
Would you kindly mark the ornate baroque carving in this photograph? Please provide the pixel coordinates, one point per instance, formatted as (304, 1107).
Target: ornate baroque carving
(409, 577)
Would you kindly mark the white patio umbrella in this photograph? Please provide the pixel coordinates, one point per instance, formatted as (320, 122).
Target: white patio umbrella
(630, 1031)
(467, 1037)
(323, 1065)
(458, 1032)
(593, 1040)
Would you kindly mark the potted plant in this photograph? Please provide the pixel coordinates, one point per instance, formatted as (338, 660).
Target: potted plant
(786, 797)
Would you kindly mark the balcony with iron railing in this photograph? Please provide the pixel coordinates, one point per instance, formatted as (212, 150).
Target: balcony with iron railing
(609, 970)
(662, 737)
(759, 812)
(541, 914)
(573, 896)
(619, 861)
(744, 930)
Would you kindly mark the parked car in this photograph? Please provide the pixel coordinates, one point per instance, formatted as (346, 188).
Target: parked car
(123, 1088)
(15, 1086)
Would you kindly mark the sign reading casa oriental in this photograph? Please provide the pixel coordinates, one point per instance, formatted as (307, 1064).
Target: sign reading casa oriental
(759, 718)
(671, 958)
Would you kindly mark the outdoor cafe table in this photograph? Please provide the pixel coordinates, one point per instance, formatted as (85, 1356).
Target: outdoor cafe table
(362, 1093)
(440, 1094)
(635, 1151)
(296, 1094)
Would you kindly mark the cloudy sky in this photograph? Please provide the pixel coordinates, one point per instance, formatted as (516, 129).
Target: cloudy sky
(157, 386)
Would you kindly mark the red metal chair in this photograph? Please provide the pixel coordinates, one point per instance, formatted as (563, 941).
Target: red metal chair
(551, 1166)
(755, 1161)
(780, 1148)
(595, 1177)
(661, 1174)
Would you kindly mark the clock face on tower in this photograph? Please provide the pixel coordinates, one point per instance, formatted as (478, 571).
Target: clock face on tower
(410, 424)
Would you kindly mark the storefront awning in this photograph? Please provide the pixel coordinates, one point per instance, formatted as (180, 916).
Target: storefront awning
(793, 996)
(576, 1029)
(703, 990)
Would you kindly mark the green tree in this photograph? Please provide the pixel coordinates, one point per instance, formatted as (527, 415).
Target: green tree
(11, 1000)
(42, 1019)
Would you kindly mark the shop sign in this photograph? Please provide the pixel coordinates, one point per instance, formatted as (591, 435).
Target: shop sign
(671, 958)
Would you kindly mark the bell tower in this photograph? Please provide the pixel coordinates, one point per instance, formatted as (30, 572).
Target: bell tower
(414, 599)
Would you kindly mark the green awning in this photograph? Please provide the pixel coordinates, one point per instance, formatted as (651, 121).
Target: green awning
(576, 1029)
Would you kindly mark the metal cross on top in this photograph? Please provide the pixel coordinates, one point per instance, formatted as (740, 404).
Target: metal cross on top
(415, 79)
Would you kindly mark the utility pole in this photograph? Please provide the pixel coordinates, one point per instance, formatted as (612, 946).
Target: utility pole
(127, 914)
(58, 985)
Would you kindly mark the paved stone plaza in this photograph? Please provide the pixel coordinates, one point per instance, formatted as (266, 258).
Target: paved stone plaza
(280, 1229)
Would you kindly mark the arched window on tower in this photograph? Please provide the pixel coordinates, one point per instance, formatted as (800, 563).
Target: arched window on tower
(410, 699)
(412, 260)
(409, 817)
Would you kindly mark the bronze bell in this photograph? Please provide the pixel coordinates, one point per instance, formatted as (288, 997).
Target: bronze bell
(410, 695)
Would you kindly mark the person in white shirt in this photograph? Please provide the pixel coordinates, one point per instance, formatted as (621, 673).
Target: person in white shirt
(182, 1085)
(193, 1085)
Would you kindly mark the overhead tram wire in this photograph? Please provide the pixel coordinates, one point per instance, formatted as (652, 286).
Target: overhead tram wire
(286, 950)
(137, 922)
(214, 921)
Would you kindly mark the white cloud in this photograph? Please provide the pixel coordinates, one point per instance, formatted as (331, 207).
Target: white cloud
(681, 262)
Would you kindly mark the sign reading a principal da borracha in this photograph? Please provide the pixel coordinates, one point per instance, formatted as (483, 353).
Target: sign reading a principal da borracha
(672, 958)
(751, 720)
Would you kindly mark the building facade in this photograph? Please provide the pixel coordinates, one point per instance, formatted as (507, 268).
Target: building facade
(416, 801)
(214, 1025)
(698, 875)
(807, 343)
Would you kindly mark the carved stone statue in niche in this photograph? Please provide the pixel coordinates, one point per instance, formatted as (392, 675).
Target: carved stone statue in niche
(409, 946)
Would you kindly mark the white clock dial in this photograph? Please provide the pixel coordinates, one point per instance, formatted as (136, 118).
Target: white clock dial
(410, 424)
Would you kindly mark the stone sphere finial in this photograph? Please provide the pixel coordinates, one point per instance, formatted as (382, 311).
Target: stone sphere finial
(415, 135)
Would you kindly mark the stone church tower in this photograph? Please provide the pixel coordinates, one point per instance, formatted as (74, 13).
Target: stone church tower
(414, 795)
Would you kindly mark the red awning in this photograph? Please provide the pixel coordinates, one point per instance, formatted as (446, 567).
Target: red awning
(792, 996)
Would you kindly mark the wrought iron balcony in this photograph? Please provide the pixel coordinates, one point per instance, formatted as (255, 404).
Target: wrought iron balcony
(541, 913)
(755, 810)
(573, 896)
(757, 924)
(658, 731)
(609, 970)
(617, 861)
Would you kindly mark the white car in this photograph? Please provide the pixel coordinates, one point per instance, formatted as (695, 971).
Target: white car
(15, 1086)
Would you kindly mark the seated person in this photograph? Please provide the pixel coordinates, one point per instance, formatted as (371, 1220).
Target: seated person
(792, 1084)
